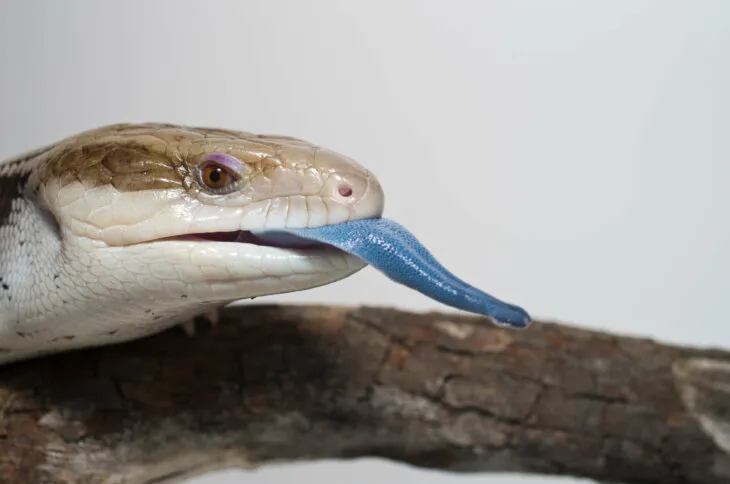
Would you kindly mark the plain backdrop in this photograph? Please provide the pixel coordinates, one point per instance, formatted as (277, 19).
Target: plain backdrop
(569, 156)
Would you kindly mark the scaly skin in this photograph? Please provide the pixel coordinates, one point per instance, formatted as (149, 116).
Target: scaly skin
(95, 231)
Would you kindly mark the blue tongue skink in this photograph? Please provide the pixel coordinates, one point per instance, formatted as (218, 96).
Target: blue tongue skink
(393, 250)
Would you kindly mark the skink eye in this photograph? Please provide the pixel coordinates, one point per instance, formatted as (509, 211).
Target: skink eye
(215, 176)
(221, 173)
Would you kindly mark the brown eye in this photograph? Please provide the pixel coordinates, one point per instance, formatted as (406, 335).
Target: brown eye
(215, 176)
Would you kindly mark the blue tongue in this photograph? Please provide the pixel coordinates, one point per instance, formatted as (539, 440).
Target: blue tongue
(392, 249)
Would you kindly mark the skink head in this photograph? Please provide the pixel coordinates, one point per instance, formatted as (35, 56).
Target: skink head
(175, 208)
(216, 215)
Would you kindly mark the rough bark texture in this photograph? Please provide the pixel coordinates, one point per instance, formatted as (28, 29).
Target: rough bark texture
(279, 383)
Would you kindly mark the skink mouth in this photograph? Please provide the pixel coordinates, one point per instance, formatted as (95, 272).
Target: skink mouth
(392, 249)
(263, 238)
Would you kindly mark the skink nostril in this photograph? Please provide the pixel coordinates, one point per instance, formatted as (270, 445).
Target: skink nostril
(345, 190)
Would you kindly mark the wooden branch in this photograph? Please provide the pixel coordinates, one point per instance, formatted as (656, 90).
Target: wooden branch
(281, 383)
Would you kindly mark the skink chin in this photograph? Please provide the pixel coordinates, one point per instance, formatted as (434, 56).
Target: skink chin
(123, 231)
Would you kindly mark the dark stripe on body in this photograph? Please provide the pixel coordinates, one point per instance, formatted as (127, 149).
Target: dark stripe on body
(14, 174)
(11, 188)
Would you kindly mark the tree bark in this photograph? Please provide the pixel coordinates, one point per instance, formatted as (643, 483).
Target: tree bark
(446, 391)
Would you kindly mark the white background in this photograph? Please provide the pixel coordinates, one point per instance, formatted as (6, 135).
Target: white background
(569, 156)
